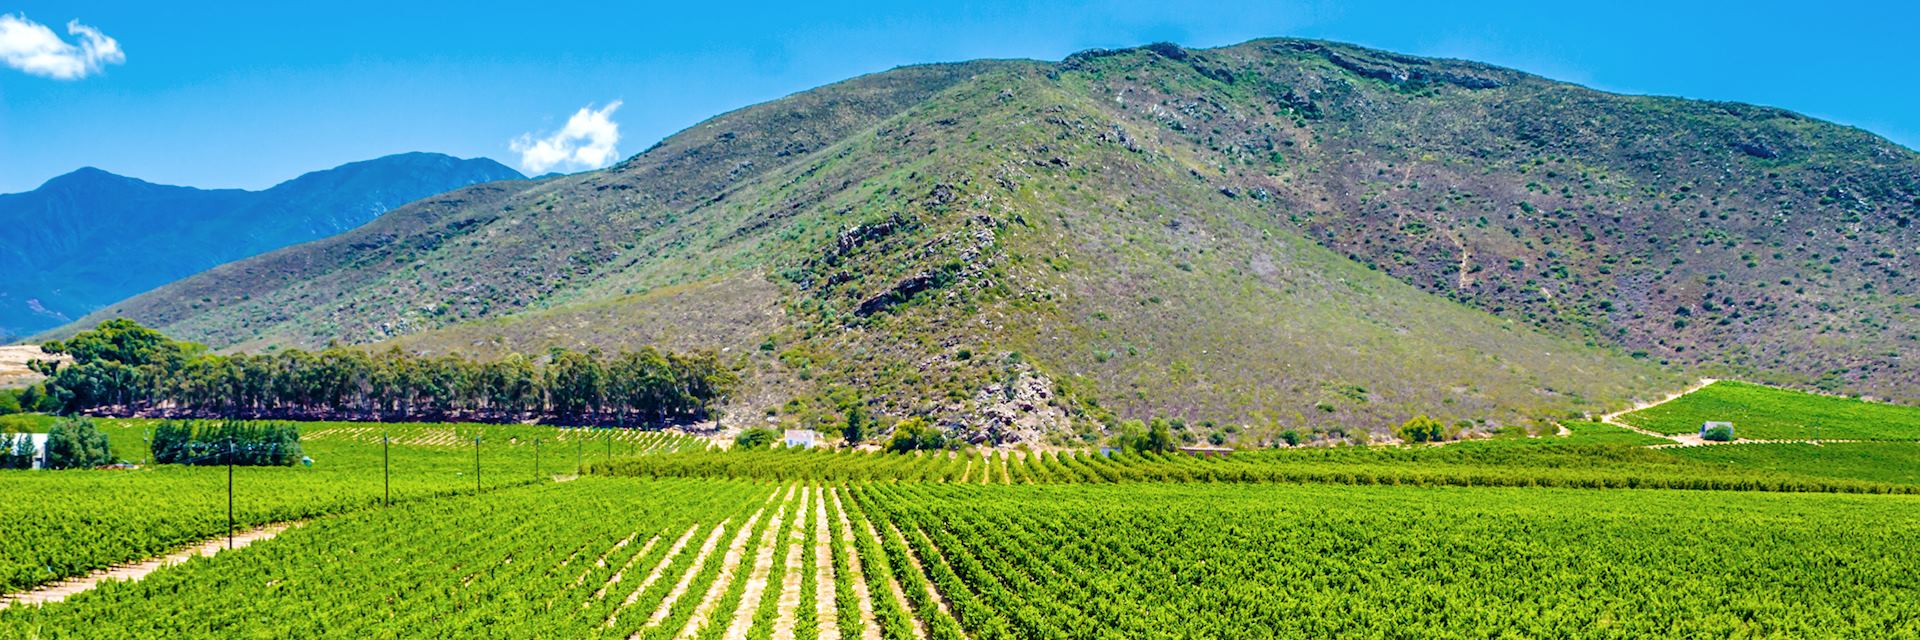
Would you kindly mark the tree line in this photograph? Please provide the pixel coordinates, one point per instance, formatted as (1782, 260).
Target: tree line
(123, 368)
(203, 442)
(72, 443)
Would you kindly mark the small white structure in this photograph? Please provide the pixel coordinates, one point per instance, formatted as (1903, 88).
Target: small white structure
(1709, 426)
(803, 438)
(39, 443)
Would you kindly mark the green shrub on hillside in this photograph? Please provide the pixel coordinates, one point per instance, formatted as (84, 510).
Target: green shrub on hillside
(1421, 429)
(915, 434)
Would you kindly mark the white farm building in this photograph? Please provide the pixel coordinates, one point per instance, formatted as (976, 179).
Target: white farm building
(803, 438)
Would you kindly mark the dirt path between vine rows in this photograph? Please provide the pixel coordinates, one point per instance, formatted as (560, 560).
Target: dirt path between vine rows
(789, 607)
(756, 584)
(826, 611)
(66, 588)
(659, 569)
(1683, 439)
(601, 562)
(919, 566)
(686, 579)
(892, 584)
(870, 628)
(729, 566)
(614, 580)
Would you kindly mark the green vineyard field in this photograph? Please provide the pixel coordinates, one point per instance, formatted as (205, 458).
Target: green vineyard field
(719, 558)
(1545, 462)
(1896, 462)
(91, 519)
(1769, 413)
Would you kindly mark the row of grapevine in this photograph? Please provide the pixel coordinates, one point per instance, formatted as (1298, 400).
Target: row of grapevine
(82, 520)
(1248, 561)
(706, 558)
(660, 559)
(1569, 466)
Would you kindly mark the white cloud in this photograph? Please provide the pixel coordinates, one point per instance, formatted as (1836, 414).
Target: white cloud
(585, 143)
(33, 48)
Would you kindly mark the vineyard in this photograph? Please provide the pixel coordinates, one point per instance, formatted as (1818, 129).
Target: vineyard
(1514, 463)
(514, 531)
(92, 519)
(1895, 462)
(684, 558)
(1769, 413)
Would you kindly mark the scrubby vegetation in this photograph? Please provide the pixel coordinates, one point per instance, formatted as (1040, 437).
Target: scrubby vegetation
(755, 438)
(1421, 429)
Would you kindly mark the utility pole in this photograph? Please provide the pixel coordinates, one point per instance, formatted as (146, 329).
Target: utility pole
(476, 465)
(579, 454)
(386, 466)
(229, 493)
(609, 445)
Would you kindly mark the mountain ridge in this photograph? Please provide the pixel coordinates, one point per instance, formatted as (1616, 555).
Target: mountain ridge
(69, 234)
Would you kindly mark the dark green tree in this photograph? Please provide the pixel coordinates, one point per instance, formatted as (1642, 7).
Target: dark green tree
(1722, 433)
(1158, 438)
(855, 429)
(76, 443)
(16, 451)
(915, 434)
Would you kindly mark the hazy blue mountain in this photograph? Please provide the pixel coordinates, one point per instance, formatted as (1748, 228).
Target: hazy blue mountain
(90, 238)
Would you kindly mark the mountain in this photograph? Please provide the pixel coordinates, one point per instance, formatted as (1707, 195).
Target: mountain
(90, 238)
(1278, 234)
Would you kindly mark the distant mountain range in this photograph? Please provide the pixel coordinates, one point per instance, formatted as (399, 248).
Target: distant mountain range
(1278, 234)
(90, 238)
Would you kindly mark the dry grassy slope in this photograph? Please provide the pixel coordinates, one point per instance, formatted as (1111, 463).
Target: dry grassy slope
(488, 250)
(1241, 234)
(1083, 250)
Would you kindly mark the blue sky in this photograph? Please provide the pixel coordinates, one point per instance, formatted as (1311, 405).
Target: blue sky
(248, 94)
